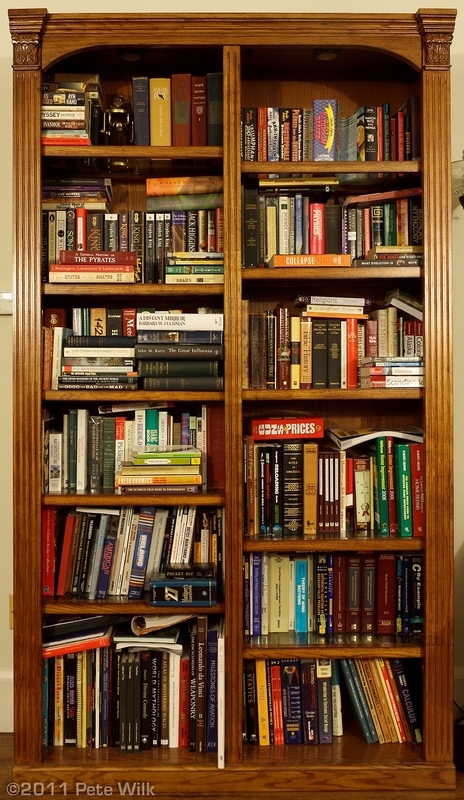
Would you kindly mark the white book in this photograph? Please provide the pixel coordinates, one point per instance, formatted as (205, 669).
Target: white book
(129, 428)
(179, 531)
(55, 477)
(122, 540)
(283, 218)
(153, 321)
(156, 545)
(60, 232)
(163, 428)
(123, 352)
(140, 427)
(202, 443)
(126, 565)
(221, 695)
(174, 698)
(59, 334)
(82, 446)
(187, 545)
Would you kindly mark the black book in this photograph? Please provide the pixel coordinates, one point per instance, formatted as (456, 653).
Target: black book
(214, 107)
(251, 702)
(70, 699)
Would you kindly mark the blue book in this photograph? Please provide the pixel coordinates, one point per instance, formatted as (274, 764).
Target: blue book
(291, 700)
(355, 699)
(363, 700)
(141, 109)
(141, 551)
(301, 592)
(182, 593)
(106, 563)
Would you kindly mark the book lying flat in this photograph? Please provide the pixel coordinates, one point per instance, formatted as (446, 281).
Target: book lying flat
(345, 439)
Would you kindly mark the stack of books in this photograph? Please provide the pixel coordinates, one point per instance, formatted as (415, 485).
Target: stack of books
(72, 109)
(77, 266)
(97, 362)
(170, 468)
(195, 267)
(192, 364)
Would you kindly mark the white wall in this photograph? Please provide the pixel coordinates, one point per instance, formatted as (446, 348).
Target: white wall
(209, 6)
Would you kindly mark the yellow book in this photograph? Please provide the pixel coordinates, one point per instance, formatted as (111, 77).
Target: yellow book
(160, 112)
(262, 702)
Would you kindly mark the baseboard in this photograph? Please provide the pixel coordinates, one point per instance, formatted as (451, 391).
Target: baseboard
(6, 701)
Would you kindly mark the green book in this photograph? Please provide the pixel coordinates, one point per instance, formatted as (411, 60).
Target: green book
(151, 426)
(381, 515)
(403, 489)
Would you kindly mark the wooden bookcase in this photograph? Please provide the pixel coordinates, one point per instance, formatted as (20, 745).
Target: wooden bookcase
(266, 59)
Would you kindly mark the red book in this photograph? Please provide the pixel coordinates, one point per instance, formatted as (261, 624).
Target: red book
(371, 343)
(352, 353)
(276, 697)
(339, 592)
(416, 452)
(48, 551)
(316, 229)
(181, 109)
(215, 445)
(287, 428)
(261, 124)
(97, 257)
(65, 553)
(393, 140)
(77, 644)
(53, 317)
(184, 702)
(353, 597)
(385, 593)
(129, 316)
(199, 118)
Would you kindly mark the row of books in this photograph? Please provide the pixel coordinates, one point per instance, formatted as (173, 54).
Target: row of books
(299, 487)
(65, 353)
(140, 692)
(112, 321)
(72, 109)
(312, 700)
(327, 346)
(105, 451)
(179, 110)
(286, 216)
(171, 553)
(162, 247)
(326, 594)
(321, 133)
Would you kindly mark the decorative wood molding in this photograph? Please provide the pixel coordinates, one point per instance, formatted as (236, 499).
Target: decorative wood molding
(436, 30)
(26, 28)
